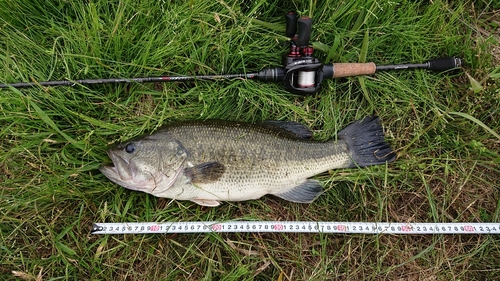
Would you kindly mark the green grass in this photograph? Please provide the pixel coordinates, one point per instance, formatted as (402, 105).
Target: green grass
(52, 140)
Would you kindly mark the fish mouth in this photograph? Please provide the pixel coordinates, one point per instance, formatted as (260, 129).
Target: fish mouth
(120, 171)
(126, 172)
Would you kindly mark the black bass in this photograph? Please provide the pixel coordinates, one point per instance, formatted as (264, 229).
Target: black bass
(212, 161)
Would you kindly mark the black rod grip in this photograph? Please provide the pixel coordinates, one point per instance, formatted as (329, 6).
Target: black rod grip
(304, 25)
(291, 24)
(443, 64)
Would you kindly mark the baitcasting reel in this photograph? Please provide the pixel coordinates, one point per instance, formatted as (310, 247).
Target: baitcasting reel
(303, 73)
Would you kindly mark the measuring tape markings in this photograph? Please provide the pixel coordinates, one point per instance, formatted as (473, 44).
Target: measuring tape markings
(295, 227)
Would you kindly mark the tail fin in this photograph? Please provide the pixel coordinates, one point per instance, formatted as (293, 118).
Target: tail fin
(365, 142)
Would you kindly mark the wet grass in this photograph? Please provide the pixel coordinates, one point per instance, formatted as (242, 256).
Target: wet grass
(52, 140)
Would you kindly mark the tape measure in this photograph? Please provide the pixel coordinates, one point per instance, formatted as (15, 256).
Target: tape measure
(295, 227)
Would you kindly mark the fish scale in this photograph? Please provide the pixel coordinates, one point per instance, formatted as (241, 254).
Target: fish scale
(265, 165)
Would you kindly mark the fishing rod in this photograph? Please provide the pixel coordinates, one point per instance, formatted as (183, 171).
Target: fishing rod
(301, 73)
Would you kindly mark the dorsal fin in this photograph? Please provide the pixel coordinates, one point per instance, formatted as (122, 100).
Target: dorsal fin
(289, 128)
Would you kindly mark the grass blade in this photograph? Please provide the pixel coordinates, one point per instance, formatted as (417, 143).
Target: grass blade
(478, 122)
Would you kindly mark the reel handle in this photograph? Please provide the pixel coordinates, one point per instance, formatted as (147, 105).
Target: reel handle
(304, 25)
(291, 24)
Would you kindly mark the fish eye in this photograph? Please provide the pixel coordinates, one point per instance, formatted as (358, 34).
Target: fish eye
(130, 148)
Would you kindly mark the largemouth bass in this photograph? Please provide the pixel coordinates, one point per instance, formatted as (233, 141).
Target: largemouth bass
(212, 161)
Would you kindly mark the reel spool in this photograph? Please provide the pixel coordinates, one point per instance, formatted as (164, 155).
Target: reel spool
(303, 76)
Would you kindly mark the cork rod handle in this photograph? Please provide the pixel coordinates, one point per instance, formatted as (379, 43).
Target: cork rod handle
(353, 69)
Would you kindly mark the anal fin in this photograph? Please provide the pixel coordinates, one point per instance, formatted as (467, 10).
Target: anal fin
(303, 193)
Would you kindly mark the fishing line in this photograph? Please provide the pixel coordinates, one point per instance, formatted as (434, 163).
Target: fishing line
(295, 227)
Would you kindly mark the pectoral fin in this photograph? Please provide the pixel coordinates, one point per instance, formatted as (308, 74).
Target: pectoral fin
(205, 172)
(303, 193)
(208, 203)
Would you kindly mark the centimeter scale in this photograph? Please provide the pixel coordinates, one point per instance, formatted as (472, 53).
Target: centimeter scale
(295, 227)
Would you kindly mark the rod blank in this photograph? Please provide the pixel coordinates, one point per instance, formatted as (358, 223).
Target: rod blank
(127, 80)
